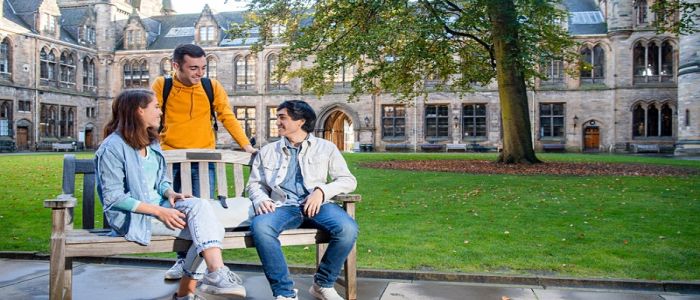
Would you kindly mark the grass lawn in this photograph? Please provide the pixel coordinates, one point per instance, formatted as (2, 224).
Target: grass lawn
(603, 226)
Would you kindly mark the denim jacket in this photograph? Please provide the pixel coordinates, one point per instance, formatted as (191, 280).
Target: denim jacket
(318, 159)
(119, 171)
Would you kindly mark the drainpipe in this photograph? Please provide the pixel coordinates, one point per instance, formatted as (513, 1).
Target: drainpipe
(415, 129)
(37, 120)
(533, 133)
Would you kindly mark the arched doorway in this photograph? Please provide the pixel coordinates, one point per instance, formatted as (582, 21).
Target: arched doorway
(338, 129)
(89, 136)
(591, 137)
(23, 136)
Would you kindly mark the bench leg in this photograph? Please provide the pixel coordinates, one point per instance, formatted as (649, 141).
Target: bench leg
(320, 251)
(68, 280)
(351, 275)
(57, 264)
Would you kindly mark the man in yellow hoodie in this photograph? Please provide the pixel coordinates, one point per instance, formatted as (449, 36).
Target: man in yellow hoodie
(187, 120)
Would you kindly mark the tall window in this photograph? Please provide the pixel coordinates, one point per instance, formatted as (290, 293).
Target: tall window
(436, 121)
(67, 68)
(48, 66)
(246, 116)
(344, 76)
(474, 121)
(48, 23)
(87, 34)
(245, 73)
(166, 67)
(653, 63)
(552, 120)
(24, 106)
(393, 121)
(48, 120)
(592, 64)
(640, 11)
(136, 74)
(67, 121)
(5, 58)
(5, 118)
(274, 82)
(554, 70)
(89, 81)
(206, 33)
(211, 67)
(272, 131)
(652, 120)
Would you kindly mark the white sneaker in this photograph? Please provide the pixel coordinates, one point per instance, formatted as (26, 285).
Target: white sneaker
(296, 296)
(324, 293)
(223, 282)
(176, 271)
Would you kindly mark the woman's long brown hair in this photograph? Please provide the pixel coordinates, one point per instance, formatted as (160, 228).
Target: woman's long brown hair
(127, 122)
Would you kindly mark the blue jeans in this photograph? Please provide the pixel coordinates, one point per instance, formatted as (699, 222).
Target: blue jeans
(203, 229)
(177, 186)
(266, 229)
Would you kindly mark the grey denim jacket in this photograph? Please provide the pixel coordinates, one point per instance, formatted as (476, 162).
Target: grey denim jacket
(119, 171)
(318, 160)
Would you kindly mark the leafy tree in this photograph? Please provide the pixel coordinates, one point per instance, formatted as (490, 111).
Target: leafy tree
(394, 45)
(676, 16)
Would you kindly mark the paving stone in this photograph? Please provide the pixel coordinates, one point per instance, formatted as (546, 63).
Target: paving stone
(453, 291)
(680, 297)
(598, 295)
(13, 271)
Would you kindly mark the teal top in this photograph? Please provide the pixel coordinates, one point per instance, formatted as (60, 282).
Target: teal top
(150, 172)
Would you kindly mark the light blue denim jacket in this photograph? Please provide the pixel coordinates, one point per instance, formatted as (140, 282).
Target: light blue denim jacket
(119, 171)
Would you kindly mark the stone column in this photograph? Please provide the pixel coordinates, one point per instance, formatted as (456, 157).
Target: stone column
(689, 93)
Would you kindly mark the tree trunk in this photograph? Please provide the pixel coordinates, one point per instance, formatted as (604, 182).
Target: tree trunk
(517, 138)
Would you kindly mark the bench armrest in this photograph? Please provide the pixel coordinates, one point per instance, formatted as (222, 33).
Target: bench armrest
(62, 201)
(347, 198)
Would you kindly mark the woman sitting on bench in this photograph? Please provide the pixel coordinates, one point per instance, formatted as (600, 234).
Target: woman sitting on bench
(138, 199)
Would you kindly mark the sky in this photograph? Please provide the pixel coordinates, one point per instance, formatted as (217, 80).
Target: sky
(189, 6)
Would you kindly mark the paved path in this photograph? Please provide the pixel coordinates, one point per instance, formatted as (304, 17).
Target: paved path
(28, 279)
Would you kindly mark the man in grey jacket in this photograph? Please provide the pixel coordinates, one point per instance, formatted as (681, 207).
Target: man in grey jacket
(289, 187)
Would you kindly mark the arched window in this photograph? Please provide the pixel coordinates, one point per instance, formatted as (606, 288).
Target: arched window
(638, 123)
(666, 120)
(211, 67)
(144, 74)
(640, 12)
(166, 67)
(592, 64)
(650, 121)
(48, 66)
(652, 63)
(5, 58)
(603, 5)
(5, 118)
(274, 82)
(245, 72)
(344, 76)
(67, 68)
(70, 123)
(554, 70)
(49, 120)
(127, 74)
(89, 81)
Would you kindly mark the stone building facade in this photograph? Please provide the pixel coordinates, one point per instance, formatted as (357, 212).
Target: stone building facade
(63, 61)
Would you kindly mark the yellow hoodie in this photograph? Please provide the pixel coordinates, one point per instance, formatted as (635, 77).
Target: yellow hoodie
(187, 123)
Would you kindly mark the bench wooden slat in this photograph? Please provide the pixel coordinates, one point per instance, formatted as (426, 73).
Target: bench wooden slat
(89, 201)
(186, 178)
(238, 180)
(221, 183)
(204, 181)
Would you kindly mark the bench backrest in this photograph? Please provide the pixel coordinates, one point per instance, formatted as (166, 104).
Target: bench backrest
(223, 159)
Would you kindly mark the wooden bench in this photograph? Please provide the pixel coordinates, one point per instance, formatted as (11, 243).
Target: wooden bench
(396, 147)
(68, 243)
(553, 147)
(648, 148)
(458, 147)
(63, 146)
(432, 147)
